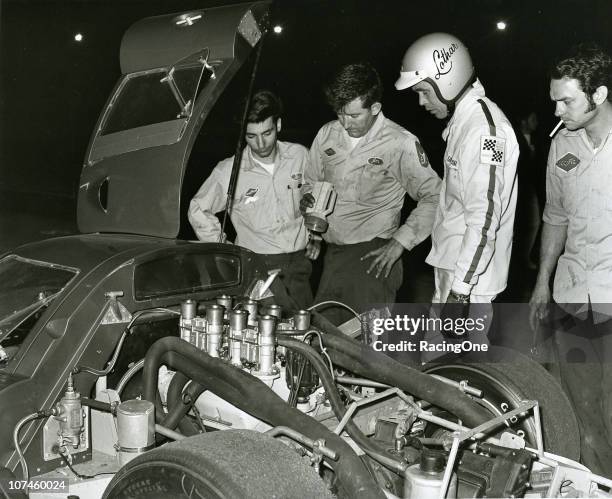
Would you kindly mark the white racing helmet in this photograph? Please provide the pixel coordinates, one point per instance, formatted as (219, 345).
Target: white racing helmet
(443, 61)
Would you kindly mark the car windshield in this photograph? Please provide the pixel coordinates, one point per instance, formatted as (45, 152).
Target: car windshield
(26, 289)
(155, 97)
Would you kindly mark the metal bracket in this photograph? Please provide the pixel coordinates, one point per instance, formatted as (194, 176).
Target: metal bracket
(116, 313)
(462, 385)
(461, 435)
(369, 400)
(318, 447)
(317, 454)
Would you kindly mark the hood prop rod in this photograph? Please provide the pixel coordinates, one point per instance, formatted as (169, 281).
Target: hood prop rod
(231, 188)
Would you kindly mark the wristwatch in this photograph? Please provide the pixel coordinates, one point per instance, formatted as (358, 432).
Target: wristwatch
(459, 298)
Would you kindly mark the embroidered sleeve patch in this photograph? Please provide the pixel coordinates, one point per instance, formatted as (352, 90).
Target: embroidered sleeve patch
(567, 162)
(421, 154)
(492, 150)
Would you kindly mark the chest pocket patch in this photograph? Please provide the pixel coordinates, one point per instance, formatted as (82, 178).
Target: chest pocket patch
(567, 162)
(250, 196)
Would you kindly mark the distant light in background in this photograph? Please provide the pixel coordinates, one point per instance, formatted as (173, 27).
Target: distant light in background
(501, 25)
(78, 37)
(278, 29)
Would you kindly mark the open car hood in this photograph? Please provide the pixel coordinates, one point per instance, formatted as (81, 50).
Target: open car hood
(174, 67)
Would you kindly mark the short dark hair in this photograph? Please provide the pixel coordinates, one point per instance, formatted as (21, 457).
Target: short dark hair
(352, 81)
(590, 65)
(263, 105)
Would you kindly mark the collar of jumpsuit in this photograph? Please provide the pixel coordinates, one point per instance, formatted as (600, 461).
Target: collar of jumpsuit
(375, 129)
(581, 132)
(351, 143)
(474, 93)
(249, 162)
(269, 167)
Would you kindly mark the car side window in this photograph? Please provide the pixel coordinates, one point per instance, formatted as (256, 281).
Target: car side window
(145, 98)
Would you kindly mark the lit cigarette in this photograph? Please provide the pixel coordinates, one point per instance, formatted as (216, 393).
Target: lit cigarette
(556, 128)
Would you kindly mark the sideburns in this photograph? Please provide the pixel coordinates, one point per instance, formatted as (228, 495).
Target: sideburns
(591, 102)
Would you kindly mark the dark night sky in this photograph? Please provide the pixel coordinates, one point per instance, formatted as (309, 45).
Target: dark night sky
(53, 88)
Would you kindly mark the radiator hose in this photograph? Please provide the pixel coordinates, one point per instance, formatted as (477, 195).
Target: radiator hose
(372, 448)
(254, 397)
(363, 360)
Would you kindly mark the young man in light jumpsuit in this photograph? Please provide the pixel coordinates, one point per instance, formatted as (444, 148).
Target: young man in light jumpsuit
(472, 233)
(577, 241)
(372, 163)
(265, 211)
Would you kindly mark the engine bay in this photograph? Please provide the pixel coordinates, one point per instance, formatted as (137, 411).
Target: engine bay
(361, 423)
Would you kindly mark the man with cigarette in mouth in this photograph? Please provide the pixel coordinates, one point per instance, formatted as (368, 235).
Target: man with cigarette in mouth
(577, 239)
(472, 233)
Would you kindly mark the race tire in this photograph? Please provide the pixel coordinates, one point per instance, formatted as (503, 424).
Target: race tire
(222, 464)
(511, 376)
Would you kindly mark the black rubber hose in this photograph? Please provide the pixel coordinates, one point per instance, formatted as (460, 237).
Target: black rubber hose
(365, 361)
(254, 397)
(160, 413)
(372, 448)
(176, 409)
(175, 390)
(96, 404)
(257, 399)
(182, 407)
(421, 385)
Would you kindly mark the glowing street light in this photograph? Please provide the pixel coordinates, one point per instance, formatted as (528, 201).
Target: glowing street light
(278, 29)
(78, 37)
(501, 25)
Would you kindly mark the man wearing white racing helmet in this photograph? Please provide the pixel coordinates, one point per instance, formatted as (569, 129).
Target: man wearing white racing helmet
(472, 233)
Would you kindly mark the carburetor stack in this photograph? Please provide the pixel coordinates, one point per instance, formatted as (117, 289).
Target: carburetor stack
(244, 334)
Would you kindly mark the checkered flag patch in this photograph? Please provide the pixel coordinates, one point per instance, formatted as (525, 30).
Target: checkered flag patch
(492, 150)
(489, 145)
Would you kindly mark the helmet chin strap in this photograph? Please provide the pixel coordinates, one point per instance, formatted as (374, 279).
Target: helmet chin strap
(452, 104)
(451, 109)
